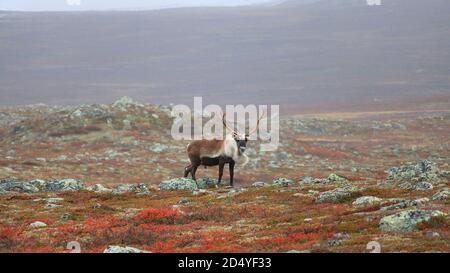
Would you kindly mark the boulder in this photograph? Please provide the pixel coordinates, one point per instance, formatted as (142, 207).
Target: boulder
(335, 178)
(331, 179)
(406, 186)
(38, 224)
(402, 204)
(51, 206)
(124, 103)
(366, 201)
(178, 184)
(425, 170)
(99, 188)
(337, 195)
(58, 185)
(423, 186)
(283, 182)
(442, 195)
(207, 182)
(136, 188)
(17, 186)
(260, 184)
(407, 220)
(158, 148)
(125, 249)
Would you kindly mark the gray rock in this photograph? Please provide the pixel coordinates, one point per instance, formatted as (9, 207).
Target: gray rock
(127, 124)
(407, 220)
(51, 206)
(366, 201)
(13, 185)
(423, 186)
(406, 186)
(199, 192)
(93, 111)
(260, 184)
(178, 184)
(58, 185)
(337, 195)
(96, 206)
(184, 201)
(402, 204)
(135, 188)
(283, 182)
(331, 179)
(38, 224)
(335, 178)
(124, 103)
(337, 239)
(442, 195)
(99, 188)
(158, 148)
(66, 217)
(204, 183)
(54, 200)
(425, 170)
(126, 249)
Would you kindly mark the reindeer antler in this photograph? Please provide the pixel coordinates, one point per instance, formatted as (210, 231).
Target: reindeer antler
(226, 126)
(257, 124)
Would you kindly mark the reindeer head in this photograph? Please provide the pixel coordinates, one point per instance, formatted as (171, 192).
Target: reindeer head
(241, 139)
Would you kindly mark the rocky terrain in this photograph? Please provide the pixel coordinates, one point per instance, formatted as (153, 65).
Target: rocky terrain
(108, 177)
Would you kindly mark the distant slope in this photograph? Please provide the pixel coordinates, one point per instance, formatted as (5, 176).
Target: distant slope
(326, 56)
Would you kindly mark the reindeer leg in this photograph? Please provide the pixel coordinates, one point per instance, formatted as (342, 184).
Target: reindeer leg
(187, 170)
(231, 172)
(194, 170)
(221, 166)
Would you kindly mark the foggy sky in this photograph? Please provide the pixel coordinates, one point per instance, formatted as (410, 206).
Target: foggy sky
(63, 5)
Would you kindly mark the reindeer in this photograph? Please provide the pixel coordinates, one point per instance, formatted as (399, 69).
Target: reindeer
(230, 150)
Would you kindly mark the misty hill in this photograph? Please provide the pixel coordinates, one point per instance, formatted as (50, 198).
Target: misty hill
(92, 5)
(327, 55)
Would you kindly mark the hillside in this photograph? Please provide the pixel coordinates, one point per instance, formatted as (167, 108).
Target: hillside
(109, 175)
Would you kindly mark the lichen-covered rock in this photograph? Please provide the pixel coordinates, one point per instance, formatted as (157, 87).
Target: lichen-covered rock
(402, 204)
(93, 111)
(125, 249)
(124, 103)
(331, 179)
(178, 184)
(283, 182)
(158, 148)
(260, 184)
(442, 195)
(337, 239)
(423, 186)
(99, 188)
(425, 170)
(58, 185)
(38, 224)
(407, 220)
(12, 185)
(207, 182)
(335, 178)
(337, 195)
(136, 188)
(406, 186)
(366, 201)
